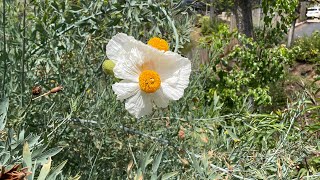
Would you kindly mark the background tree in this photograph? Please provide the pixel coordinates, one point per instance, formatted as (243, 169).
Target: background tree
(242, 10)
(293, 24)
(243, 13)
(212, 11)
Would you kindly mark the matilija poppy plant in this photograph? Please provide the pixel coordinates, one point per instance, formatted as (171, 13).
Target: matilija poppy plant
(149, 75)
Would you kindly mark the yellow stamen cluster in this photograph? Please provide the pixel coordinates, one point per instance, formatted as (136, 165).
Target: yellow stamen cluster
(159, 43)
(149, 81)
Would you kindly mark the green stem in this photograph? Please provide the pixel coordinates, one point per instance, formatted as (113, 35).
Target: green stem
(23, 52)
(4, 47)
(174, 29)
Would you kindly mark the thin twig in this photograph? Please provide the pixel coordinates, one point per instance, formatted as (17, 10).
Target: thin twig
(94, 162)
(78, 22)
(45, 94)
(134, 159)
(296, 115)
(49, 135)
(84, 121)
(132, 131)
(221, 169)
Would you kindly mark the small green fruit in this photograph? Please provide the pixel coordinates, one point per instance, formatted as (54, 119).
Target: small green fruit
(108, 66)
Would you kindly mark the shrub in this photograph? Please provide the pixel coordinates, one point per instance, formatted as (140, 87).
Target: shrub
(208, 27)
(64, 44)
(21, 153)
(307, 49)
(205, 24)
(241, 68)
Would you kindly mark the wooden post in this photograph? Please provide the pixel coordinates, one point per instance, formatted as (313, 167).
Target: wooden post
(233, 23)
(291, 34)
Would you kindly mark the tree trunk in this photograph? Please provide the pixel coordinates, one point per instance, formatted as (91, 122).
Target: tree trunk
(212, 11)
(303, 11)
(243, 13)
(293, 26)
(291, 33)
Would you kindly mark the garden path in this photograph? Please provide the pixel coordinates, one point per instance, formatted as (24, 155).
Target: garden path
(307, 28)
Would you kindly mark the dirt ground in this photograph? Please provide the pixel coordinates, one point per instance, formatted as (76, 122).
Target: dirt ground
(304, 76)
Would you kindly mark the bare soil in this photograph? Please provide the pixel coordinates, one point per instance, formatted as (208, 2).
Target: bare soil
(304, 75)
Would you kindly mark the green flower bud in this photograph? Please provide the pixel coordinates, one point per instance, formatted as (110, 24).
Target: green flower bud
(108, 66)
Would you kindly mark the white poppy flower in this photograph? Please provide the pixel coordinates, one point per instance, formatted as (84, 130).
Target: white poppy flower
(149, 76)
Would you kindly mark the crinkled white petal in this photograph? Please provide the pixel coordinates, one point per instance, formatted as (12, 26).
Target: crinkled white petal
(125, 89)
(172, 92)
(160, 99)
(170, 64)
(131, 68)
(139, 104)
(131, 58)
(173, 87)
(174, 71)
(120, 46)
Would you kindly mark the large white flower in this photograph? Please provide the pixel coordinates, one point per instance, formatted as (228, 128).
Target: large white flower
(149, 76)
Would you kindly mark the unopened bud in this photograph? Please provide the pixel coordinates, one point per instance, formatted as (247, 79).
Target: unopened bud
(108, 66)
(56, 89)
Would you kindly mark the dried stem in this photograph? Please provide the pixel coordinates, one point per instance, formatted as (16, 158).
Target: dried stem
(53, 90)
(45, 94)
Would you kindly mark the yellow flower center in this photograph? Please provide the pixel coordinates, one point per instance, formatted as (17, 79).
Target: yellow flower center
(159, 43)
(149, 81)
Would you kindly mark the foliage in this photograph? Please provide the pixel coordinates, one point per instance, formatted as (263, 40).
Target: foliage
(277, 18)
(205, 25)
(208, 27)
(259, 145)
(63, 43)
(241, 68)
(307, 49)
(29, 150)
(222, 5)
(143, 171)
(225, 5)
